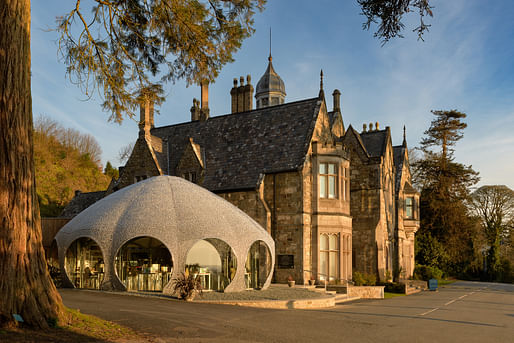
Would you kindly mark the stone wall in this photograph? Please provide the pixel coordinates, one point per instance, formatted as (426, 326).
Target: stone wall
(366, 292)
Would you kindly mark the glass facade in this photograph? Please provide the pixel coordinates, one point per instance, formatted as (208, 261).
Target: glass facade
(329, 257)
(84, 264)
(213, 262)
(258, 265)
(144, 264)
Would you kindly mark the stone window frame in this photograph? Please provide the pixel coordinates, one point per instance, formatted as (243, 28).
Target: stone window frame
(410, 206)
(336, 252)
(327, 177)
(345, 184)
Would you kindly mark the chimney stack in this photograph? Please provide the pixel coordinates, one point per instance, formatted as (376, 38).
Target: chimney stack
(204, 109)
(195, 110)
(337, 98)
(242, 96)
(146, 117)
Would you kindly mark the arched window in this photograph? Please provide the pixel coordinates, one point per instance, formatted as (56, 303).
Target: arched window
(329, 256)
(144, 264)
(84, 263)
(213, 262)
(258, 265)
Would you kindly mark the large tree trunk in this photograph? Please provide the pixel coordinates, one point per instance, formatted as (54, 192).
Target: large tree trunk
(25, 285)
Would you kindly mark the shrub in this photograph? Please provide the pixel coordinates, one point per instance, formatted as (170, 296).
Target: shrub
(422, 272)
(364, 279)
(187, 286)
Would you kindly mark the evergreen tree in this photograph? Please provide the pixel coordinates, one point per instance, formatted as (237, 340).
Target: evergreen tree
(445, 188)
(110, 171)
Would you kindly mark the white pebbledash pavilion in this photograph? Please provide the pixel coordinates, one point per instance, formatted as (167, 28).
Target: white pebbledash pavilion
(122, 241)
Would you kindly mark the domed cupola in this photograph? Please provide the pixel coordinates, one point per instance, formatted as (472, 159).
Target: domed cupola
(270, 89)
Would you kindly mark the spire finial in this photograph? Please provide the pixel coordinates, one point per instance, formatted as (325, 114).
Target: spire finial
(321, 93)
(404, 137)
(269, 58)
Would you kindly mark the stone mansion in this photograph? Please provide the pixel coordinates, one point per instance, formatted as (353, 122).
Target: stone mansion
(335, 200)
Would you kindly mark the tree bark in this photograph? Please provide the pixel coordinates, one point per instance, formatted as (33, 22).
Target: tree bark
(25, 285)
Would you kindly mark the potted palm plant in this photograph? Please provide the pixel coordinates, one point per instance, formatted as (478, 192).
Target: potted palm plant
(312, 281)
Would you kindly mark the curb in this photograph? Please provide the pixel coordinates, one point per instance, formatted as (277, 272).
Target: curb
(278, 304)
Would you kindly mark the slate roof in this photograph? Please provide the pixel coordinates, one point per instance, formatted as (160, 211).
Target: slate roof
(80, 202)
(398, 156)
(375, 142)
(240, 147)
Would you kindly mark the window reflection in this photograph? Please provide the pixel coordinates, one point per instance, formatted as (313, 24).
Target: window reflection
(213, 262)
(144, 264)
(84, 264)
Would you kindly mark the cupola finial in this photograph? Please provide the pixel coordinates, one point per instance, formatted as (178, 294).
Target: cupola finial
(404, 137)
(269, 58)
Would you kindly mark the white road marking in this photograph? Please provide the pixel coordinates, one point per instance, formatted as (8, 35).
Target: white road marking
(432, 310)
(449, 302)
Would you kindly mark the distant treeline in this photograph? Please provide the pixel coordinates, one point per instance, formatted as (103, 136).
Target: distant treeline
(65, 160)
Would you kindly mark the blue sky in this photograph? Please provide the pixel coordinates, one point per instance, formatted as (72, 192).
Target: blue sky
(466, 63)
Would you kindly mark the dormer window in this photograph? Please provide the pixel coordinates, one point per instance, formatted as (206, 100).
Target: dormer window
(409, 207)
(327, 180)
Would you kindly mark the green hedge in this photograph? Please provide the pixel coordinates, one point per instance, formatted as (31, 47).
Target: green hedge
(422, 272)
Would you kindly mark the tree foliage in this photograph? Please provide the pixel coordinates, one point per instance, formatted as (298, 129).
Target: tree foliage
(494, 206)
(445, 189)
(64, 163)
(128, 49)
(110, 171)
(388, 14)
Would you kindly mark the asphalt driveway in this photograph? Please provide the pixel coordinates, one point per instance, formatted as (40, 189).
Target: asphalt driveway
(461, 312)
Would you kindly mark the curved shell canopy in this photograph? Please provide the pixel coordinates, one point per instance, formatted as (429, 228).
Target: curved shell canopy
(176, 212)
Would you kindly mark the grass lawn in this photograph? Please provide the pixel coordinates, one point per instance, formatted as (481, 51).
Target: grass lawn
(389, 295)
(445, 282)
(81, 328)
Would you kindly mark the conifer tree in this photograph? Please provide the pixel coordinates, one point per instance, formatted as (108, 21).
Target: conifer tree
(445, 188)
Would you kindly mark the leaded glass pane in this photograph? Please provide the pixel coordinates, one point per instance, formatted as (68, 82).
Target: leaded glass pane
(322, 186)
(331, 168)
(331, 187)
(323, 242)
(323, 264)
(333, 242)
(323, 168)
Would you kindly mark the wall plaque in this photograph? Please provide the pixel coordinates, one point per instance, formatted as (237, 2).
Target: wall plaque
(285, 261)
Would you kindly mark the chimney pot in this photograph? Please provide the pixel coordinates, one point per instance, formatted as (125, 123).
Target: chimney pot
(364, 127)
(376, 126)
(370, 127)
(242, 80)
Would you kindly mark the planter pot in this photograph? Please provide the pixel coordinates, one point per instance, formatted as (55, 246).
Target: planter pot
(291, 283)
(312, 282)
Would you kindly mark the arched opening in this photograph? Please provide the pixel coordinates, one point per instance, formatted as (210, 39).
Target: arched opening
(214, 263)
(84, 264)
(144, 264)
(258, 265)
